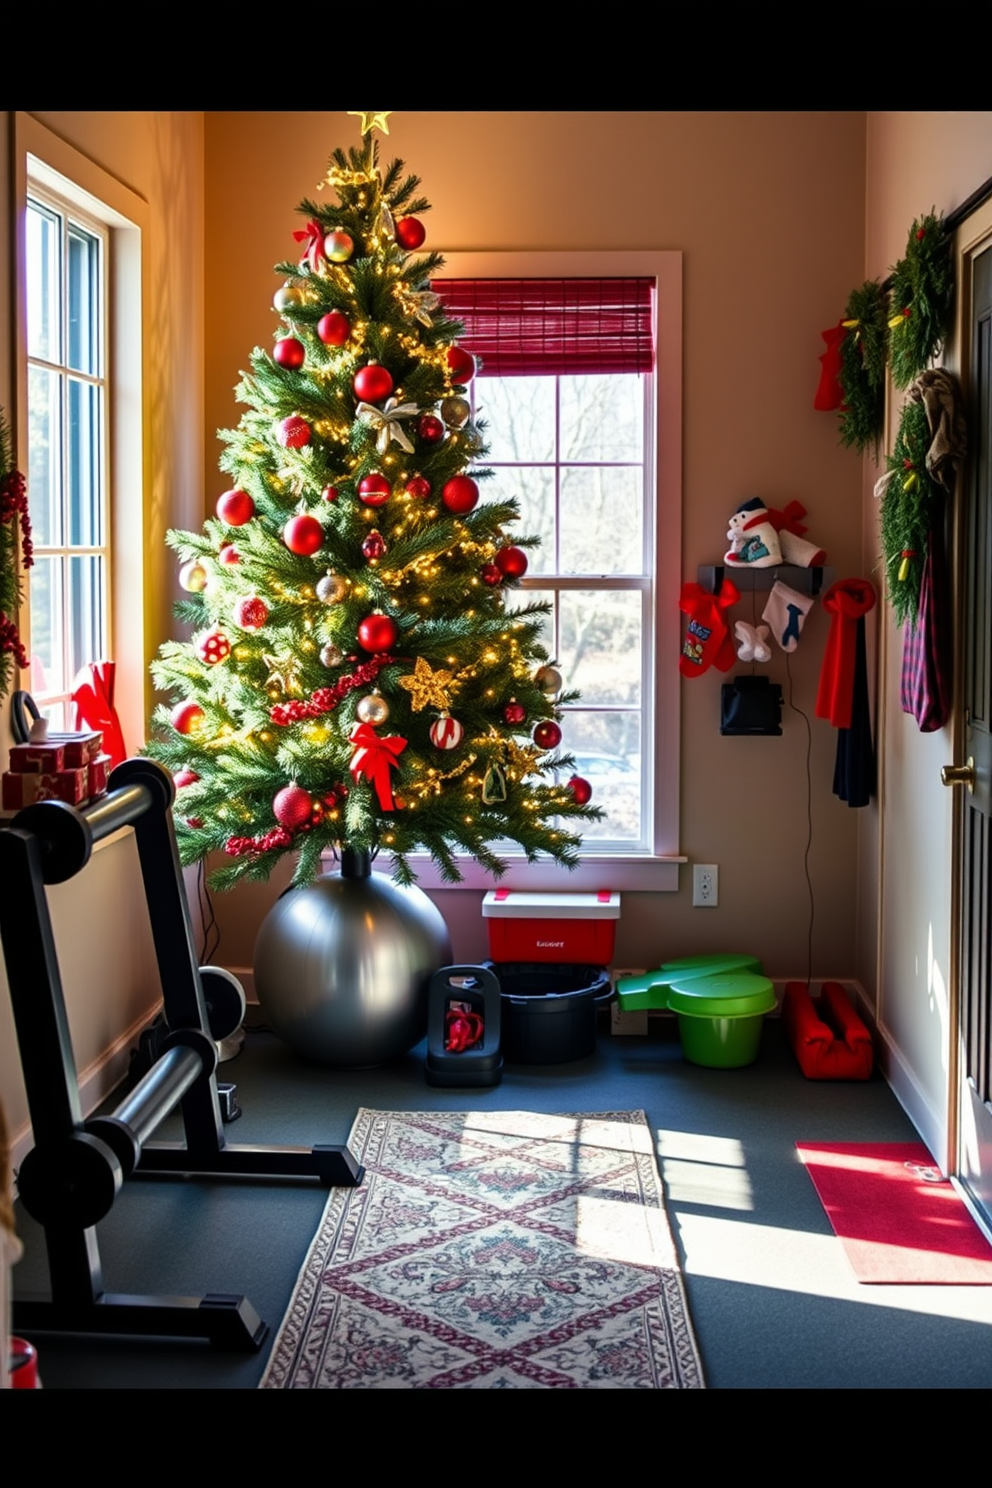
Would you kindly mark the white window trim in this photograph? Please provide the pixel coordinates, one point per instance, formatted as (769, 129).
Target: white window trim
(53, 164)
(618, 870)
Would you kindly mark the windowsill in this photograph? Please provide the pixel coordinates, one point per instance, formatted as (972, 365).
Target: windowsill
(605, 871)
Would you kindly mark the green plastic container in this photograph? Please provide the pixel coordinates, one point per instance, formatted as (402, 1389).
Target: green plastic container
(649, 991)
(720, 1017)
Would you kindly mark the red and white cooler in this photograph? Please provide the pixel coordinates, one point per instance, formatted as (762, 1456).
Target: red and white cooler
(525, 926)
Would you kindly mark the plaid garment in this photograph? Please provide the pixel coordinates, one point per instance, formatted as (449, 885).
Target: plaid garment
(926, 684)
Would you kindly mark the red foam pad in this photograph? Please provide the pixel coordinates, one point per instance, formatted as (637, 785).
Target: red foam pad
(829, 1039)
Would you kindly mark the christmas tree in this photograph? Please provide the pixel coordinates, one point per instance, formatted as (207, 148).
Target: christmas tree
(355, 676)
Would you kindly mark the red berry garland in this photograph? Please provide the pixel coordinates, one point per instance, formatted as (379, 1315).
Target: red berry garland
(326, 699)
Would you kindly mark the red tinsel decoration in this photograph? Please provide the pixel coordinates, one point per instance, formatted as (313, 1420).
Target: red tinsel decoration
(326, 699)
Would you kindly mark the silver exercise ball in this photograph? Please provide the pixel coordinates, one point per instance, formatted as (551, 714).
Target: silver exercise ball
(342, 967)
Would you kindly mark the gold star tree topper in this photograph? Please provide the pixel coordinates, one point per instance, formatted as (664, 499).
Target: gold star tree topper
(371, 120)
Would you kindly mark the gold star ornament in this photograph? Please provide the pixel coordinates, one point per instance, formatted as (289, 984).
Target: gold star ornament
(427, 688)
(371, 120)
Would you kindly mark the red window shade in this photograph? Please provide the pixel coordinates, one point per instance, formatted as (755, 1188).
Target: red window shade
(531, 327)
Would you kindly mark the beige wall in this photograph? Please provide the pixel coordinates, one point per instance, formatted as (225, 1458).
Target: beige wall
(105, 949)
(768, 210)
(915, 161)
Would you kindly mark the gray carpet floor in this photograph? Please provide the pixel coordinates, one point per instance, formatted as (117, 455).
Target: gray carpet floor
(773, 1300)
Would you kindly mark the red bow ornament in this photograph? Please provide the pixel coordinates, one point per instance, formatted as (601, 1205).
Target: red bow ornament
(313, 236)
(374, 758)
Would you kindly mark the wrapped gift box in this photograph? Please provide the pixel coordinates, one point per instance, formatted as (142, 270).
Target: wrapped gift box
(23, 787)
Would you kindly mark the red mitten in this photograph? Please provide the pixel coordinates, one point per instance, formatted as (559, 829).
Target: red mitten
(707, 638)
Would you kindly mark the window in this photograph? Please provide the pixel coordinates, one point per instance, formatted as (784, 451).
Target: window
(66, 263)
(79, 253)
(593, 458)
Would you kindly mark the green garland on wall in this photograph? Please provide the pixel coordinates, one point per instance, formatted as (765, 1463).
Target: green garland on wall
(922, 293)
(862, 367)
(909, 505)
(14, 524)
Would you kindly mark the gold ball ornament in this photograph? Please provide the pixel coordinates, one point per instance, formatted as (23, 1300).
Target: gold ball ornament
(373, 709)
(287, 298)
(332, 588)
(455, 411)
(549, 681)
(331, 655)
(193, 576)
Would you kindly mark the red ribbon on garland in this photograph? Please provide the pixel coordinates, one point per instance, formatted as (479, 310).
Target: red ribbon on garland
(313, 236)
(373, 758)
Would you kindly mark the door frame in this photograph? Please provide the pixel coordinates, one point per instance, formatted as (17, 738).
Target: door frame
(973, 237)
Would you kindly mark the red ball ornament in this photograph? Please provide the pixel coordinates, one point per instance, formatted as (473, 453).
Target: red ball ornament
(334, 328)
(581, 790)
(410, 233)
(228, 555)
(419, 487)
(374, 489)
(373, 383)
(446, 732)
(235, 508)
(460, 494)
(490, 575)
(511, 562)
(330, 493)
(430, 428)
(185, 717)
(251, 613)
(461, 365)
(547, 734)
(213, 647)
(514, 712)
(374, 545)
(289, 353)
(293, 432)
(291, 807)
(377, 633)
(303, 535)
(185, 776)
(339, 246)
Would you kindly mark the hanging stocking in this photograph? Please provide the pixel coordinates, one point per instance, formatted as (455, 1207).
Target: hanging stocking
(786, 613)
(707, 640)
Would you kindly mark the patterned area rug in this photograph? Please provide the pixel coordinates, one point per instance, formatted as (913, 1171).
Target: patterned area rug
(492, 1250)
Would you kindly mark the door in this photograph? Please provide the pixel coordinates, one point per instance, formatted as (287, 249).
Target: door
(975, 951)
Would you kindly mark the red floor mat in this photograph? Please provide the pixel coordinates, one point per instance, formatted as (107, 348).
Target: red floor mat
(898, 1220)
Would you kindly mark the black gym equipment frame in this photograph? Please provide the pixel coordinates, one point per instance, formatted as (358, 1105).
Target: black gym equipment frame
(71, 1177)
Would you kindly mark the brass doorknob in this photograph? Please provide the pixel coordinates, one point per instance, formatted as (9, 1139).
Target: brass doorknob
(959, 774)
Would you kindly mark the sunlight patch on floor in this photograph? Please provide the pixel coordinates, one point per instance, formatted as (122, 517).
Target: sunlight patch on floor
(795, 1261)
(705, 1170)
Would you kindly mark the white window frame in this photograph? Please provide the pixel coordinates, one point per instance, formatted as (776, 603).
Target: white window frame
(60, 548)
(656, 868)
(45, 165)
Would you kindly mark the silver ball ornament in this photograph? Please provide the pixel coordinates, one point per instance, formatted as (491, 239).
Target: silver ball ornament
(455, 411)
(332, 588)
(549, 681)
(193, 576)
(331, 655)
(373, 709)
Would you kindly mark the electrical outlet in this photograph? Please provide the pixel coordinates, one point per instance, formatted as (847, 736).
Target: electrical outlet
(705, 885)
